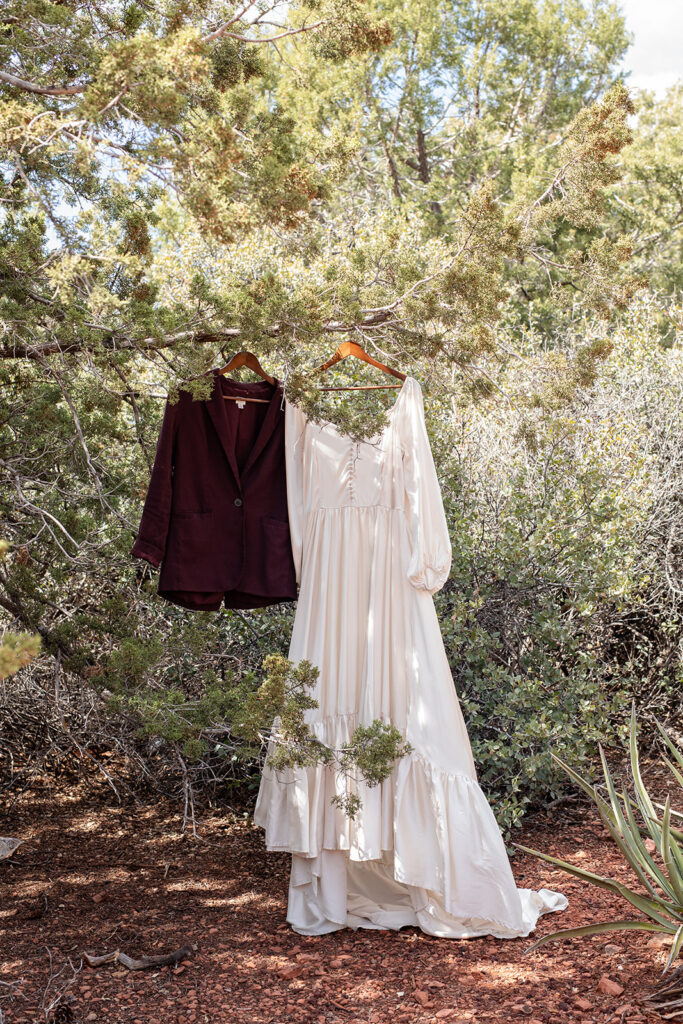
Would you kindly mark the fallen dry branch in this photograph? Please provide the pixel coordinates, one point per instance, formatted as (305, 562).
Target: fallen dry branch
(55, 1005)
(9, 991)
(667, 999)
(163, 960)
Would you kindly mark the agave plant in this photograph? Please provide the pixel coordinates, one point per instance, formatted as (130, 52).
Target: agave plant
(661, 875)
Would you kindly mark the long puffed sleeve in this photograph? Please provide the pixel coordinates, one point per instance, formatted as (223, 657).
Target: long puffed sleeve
(150, 543)
(430, 560)
(295, 424)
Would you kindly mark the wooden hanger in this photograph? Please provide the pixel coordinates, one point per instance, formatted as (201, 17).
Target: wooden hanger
(352, 348)
(249, 360)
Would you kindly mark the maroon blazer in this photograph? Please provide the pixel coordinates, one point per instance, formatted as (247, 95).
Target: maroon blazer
(215, 514)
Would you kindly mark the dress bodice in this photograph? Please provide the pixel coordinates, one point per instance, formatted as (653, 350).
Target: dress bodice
(327, 470)
(340, 472)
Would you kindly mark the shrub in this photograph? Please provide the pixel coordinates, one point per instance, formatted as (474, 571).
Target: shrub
(563, 597)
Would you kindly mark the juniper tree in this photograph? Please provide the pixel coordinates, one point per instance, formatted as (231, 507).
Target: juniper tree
(647, 204)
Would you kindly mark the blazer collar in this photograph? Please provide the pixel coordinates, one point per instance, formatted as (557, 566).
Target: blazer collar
(224, 422)
(268, 425)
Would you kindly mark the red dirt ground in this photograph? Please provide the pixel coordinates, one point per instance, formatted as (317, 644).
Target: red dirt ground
(95, 877)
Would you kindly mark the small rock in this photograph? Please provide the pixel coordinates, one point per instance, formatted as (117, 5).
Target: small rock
(650, 846)
(337, 962)
(179, 970)
(290, 971)
(609, 987)
(442, 1014)
(8, 845)
(422, 997)
(534, 1020)
(583, 1004)
(610, 948)
(97, 898)
(658, 941)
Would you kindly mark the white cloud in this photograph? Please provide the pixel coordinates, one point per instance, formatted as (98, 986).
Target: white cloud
(656, 58)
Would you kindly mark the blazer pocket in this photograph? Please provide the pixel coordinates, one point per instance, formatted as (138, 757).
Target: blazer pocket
(277, 524)
(191, 551)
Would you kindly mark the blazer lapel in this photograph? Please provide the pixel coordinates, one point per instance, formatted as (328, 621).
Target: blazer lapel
(267, 427)
(223, 424)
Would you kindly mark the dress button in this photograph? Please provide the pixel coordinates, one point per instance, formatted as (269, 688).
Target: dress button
(238, 502)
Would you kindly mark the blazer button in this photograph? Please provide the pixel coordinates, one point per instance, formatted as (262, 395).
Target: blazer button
(238, 502)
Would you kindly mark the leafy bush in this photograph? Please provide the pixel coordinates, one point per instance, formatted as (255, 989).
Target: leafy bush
(563, 597)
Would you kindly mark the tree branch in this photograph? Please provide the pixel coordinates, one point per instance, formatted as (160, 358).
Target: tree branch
(224, 27)
(41, 90)
(120, 344)
(272, 39)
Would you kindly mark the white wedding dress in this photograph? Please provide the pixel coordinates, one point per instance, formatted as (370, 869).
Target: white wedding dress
(371, 546)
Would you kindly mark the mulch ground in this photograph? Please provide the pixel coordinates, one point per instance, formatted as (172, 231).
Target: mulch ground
(94, 878)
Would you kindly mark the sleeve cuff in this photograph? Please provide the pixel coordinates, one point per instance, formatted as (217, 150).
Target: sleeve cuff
(151, 555)
(430, 579)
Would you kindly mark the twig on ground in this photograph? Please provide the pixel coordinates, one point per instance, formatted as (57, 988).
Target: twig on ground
(61, 999)
(667, 997)
(163, 960)
(10, 994)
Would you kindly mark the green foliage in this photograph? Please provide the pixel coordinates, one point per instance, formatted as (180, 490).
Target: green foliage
(647, 204)
(562, 601)
(128, 665)
(374, 749)
(234, 718)
(16, 649)
(182, 107)
(233, 63)
(661, 897)
(517, 631)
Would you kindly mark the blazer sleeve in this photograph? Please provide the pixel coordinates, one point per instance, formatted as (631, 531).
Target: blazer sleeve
(431, 554)
(295, 423)
(150, 543)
